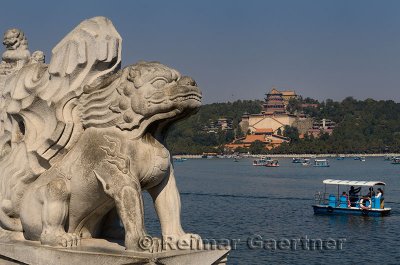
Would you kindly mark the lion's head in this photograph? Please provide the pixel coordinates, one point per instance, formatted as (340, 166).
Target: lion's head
(16, 46)
(141, 97)
(14, 38)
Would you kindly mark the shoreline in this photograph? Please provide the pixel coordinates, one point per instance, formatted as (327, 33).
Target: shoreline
(294, 155)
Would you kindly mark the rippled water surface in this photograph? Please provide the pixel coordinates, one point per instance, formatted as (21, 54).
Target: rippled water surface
(223, 199)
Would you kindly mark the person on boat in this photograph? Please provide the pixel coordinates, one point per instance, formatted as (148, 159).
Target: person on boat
(353, 195)
(344, 194)
(379, 195)
(371, 193)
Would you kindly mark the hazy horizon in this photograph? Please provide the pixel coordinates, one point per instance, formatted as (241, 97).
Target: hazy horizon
(320, 100)
(240, 49)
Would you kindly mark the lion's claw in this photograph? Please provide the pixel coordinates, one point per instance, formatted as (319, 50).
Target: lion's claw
(68, 240)
(62, 240)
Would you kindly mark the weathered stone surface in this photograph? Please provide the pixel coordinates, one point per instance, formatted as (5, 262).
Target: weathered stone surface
(80, 139)
(99, 252)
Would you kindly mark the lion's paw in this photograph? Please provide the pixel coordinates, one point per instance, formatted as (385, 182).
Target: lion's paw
(60, 239)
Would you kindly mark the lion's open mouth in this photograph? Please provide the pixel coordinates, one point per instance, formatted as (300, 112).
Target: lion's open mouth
(184, 97)
(162, 121)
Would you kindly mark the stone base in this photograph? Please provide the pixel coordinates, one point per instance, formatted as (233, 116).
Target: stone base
(99, 252)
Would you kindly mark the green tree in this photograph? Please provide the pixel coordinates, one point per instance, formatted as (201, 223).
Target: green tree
(292, 133)
(362, 126)
(242, 150)
(294, 105)
(229, 136)
(257, 147)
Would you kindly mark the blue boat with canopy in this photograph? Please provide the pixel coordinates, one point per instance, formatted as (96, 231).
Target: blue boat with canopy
(321, 163)
(346, 198)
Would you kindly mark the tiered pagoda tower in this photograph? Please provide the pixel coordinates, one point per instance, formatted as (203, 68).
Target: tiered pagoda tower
(274, 102)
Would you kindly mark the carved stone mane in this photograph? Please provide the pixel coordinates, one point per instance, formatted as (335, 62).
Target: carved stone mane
(111, 102)
(100, 104)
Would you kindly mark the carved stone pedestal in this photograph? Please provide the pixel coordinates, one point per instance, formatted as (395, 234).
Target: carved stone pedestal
(99, 252)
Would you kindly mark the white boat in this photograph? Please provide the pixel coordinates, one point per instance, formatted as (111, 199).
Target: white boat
(272, 163)
(360, 158)
(396, 161)
(336, 202)
(298, 160)
(261, 161)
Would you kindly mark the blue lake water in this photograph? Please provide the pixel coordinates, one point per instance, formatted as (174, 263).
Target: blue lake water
(270, 210)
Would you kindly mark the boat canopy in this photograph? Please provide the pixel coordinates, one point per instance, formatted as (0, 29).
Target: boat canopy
(353, 182)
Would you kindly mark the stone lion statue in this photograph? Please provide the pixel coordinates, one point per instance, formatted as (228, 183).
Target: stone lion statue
(81, 138)
(17, 53)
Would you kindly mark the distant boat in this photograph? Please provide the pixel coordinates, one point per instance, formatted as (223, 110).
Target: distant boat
(306, 162)
(272, 163)
(179, 159)
(340, 157)
(236, 158)
(298, 160)
(396, 160)
(388, 158)
(360, 158)
(321, 163)
(261, 161)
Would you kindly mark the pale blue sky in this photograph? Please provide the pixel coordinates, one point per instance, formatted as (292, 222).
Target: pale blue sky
(239, 49)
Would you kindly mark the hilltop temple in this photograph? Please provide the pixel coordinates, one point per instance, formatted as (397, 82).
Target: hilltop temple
(268, 126)
(277, 101)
